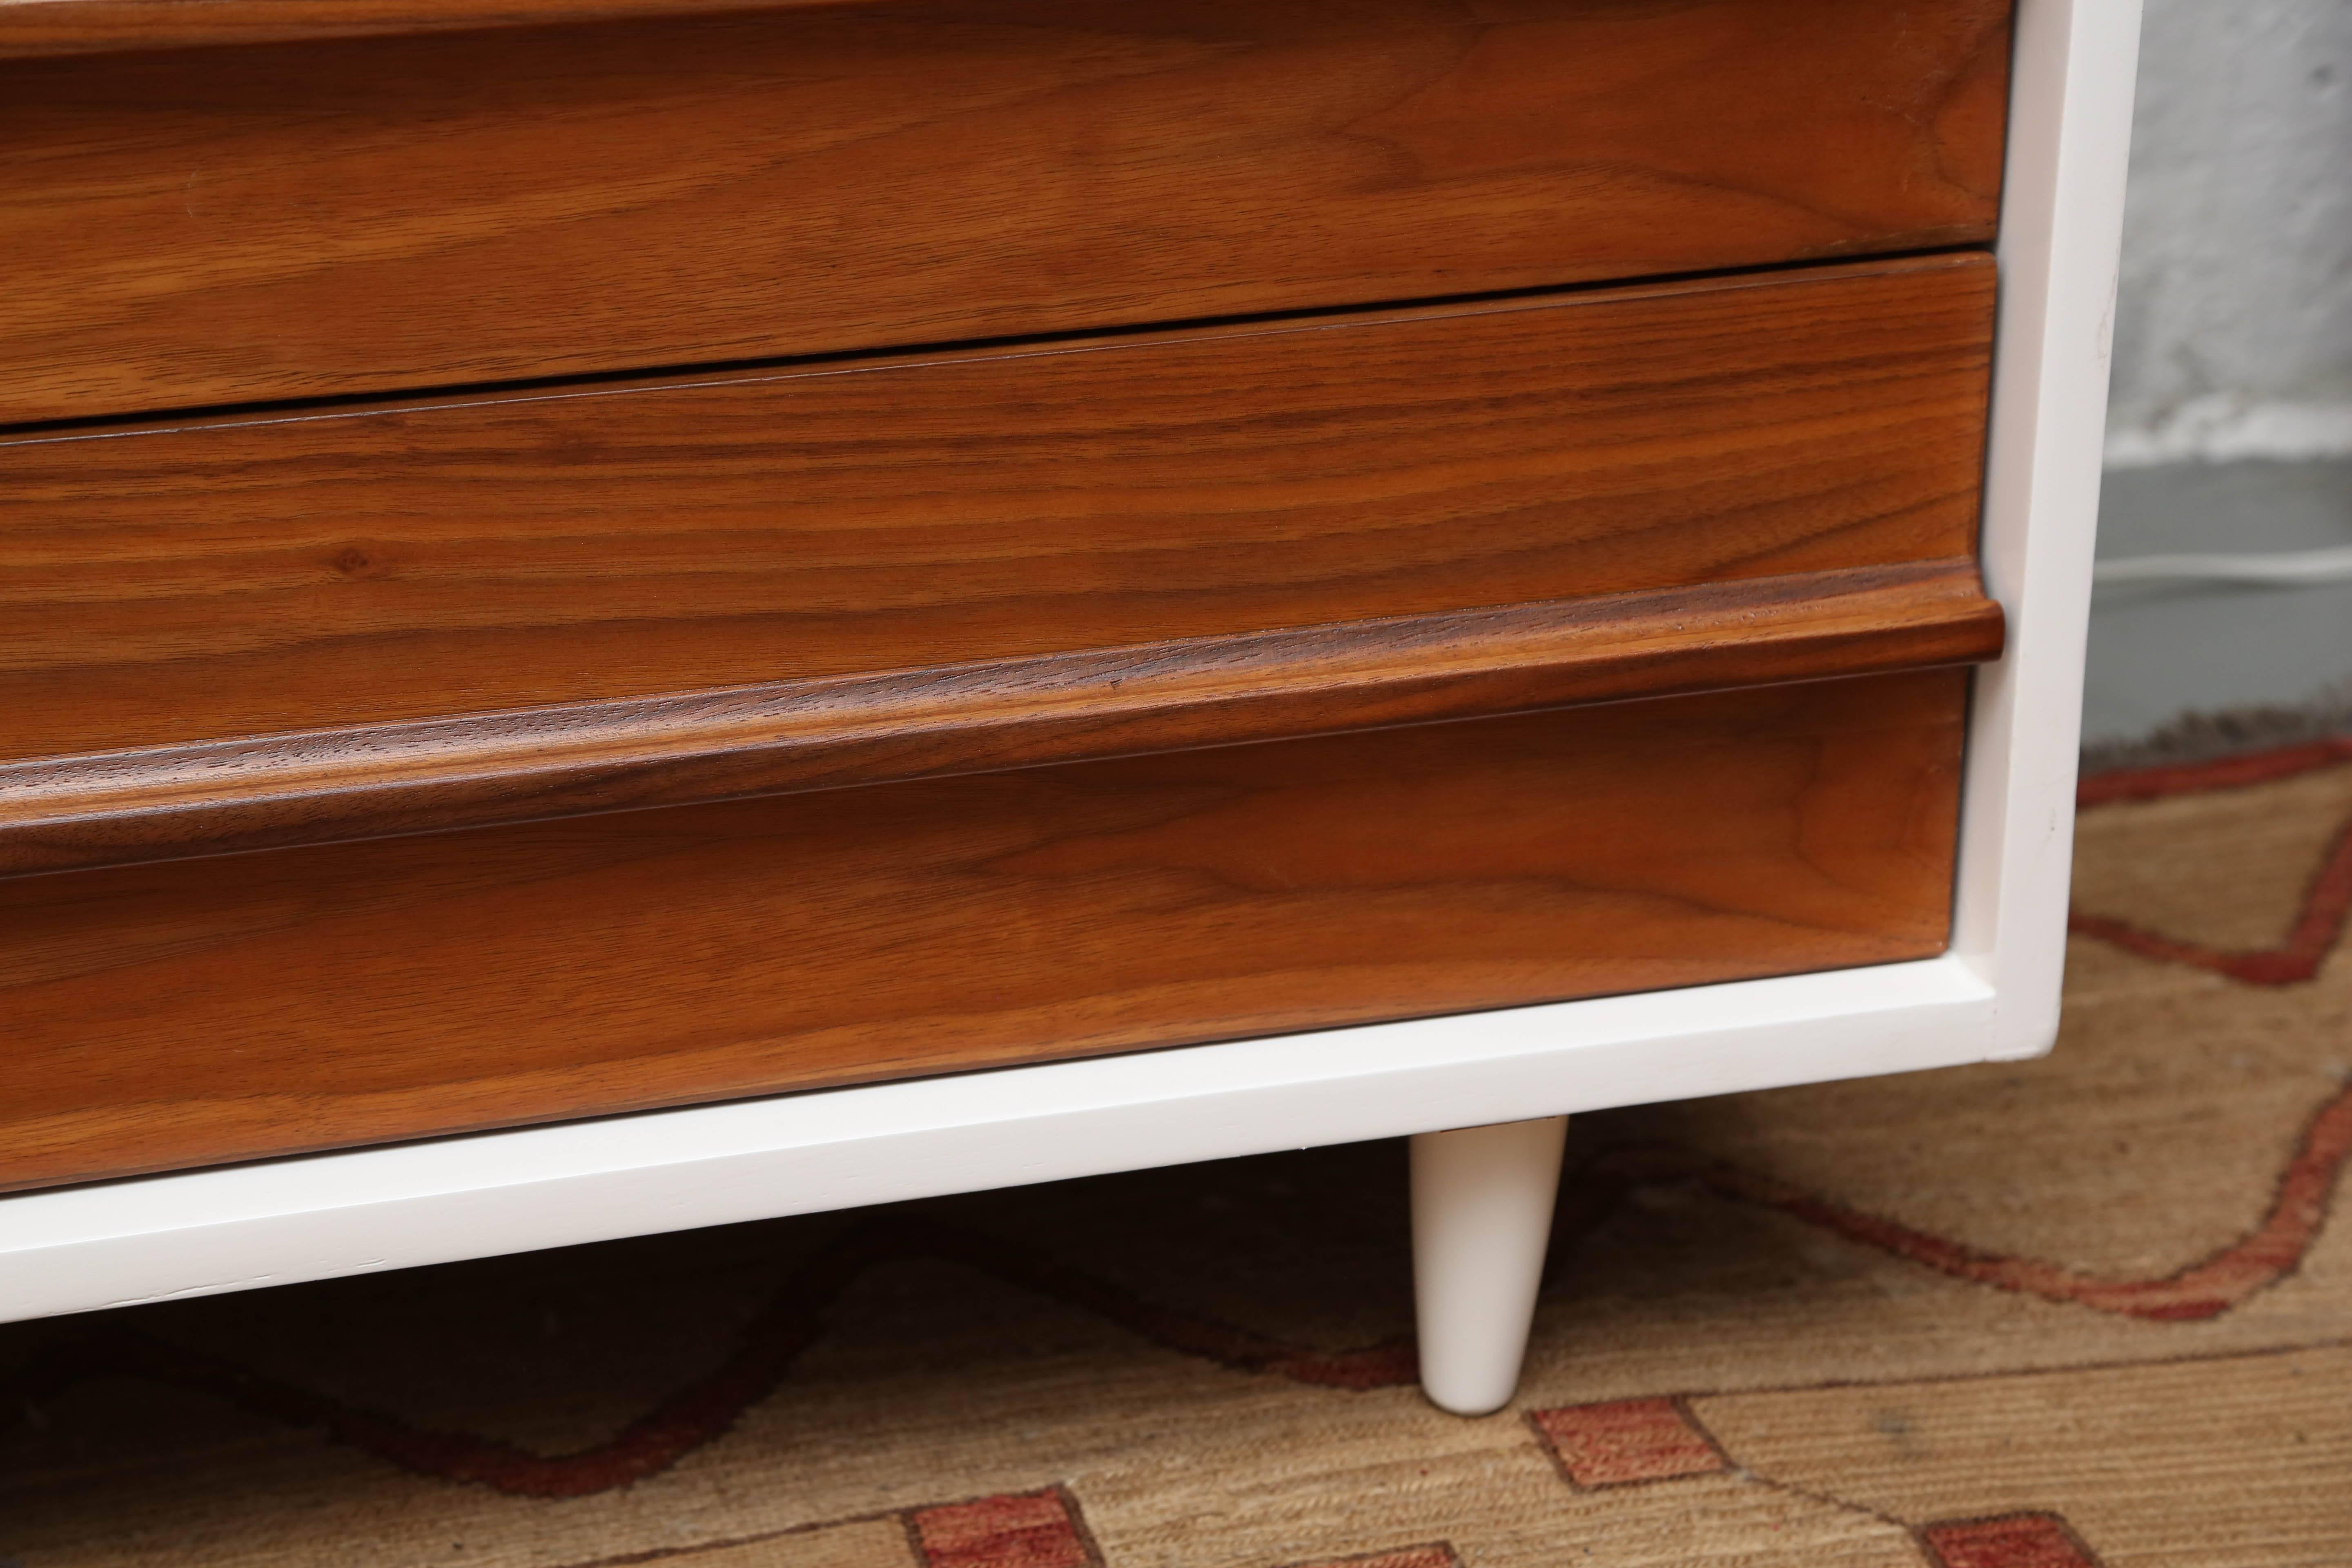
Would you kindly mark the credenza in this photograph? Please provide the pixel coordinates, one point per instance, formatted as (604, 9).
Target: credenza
(631, 614)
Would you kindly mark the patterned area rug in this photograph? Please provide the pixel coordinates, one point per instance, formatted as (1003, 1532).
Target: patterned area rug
(2086, 1311)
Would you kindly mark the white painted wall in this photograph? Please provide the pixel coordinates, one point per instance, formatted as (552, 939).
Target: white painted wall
(2234, 324)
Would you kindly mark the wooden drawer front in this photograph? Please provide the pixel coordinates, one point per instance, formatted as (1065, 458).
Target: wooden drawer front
(238, 579)
(258, 634)
(205, 1010)
(221, 225)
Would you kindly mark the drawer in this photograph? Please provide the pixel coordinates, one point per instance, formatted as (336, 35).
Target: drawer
(181, 1012)
(339, 216)
(273, 630)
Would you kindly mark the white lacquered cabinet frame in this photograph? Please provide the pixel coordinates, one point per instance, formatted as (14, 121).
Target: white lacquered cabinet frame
(1994, 995)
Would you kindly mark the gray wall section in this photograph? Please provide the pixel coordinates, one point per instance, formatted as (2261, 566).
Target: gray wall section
(2236, 299)
(2237, 229)
(2160, 649)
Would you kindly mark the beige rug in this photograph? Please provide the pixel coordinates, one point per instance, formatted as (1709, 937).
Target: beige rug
(2084, 1311)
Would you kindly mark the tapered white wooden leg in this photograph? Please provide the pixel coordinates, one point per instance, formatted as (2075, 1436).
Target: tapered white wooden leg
(1482, 1201)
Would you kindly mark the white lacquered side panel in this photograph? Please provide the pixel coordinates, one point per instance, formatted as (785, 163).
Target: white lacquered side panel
(2061, 239)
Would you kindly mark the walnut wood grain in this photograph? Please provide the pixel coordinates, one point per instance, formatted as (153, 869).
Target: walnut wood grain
(166, 1015)
(35, 28)
(172, 587)
(124, 807)
(210, 226)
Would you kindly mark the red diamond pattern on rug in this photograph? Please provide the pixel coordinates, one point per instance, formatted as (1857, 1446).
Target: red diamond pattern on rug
(1020, 1530)
(1626, 1441)
(2011, 1541)
(1436, 1555)
(2327, 907)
